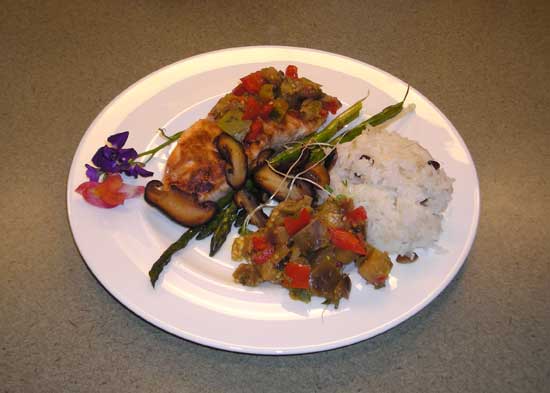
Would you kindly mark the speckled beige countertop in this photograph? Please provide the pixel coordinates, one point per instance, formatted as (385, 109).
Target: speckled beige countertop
(484, 64)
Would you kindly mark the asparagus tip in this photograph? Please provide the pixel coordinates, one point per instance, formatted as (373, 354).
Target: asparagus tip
(406, 93)
(153, 279)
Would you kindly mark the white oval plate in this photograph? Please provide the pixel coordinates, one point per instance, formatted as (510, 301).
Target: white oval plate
(196, 297)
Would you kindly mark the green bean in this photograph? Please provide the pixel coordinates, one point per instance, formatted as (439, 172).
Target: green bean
(229, 215)
(164, 259)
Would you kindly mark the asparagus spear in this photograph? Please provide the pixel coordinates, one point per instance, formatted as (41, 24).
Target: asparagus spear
(241, 216)
(181, 243)
(386, 114)
(317, 154)
(164, 259)
(326, 134)
(209, 228)
(229, 215)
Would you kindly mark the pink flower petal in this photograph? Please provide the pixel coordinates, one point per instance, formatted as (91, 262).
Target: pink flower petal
(85, 186)
(131, 191)
(87, 190)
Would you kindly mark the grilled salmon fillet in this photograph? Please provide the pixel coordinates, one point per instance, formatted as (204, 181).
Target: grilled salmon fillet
(277, 134)
(267, 110)
(195, 166)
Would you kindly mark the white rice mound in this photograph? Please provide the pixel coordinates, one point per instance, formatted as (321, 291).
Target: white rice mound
(404, 196)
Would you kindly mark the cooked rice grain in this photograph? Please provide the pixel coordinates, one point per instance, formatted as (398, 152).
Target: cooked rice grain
(404, 195)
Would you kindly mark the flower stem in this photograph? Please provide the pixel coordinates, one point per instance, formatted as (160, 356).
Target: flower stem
(163, 133)
(152, 152)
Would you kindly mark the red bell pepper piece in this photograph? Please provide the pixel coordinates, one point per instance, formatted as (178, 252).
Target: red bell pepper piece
(380, 280)
(260, 243)
(263, 249)
(347, 241)
(255, 131)
(332, 106)
(253, 82)
(266, 110)
(357, 215)
(294, 225)
(252, 109)
(298, 275)
(291, 72)
(239, 90)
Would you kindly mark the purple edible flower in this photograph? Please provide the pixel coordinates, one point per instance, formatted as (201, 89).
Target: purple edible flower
(118, 140)
(105, 159)
(115, 159)
(126, 155)
(92, 173)
(137, 169)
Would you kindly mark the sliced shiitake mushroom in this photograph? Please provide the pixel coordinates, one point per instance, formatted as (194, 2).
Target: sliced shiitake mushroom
(263, 157)
(180, 206)
(318, 174)
(272, 182)
(297, 165)
(249, 203)
(236, 169)
(264, 196)
(331, 159)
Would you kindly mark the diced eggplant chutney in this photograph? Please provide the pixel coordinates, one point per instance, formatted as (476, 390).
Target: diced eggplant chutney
(306, 249)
